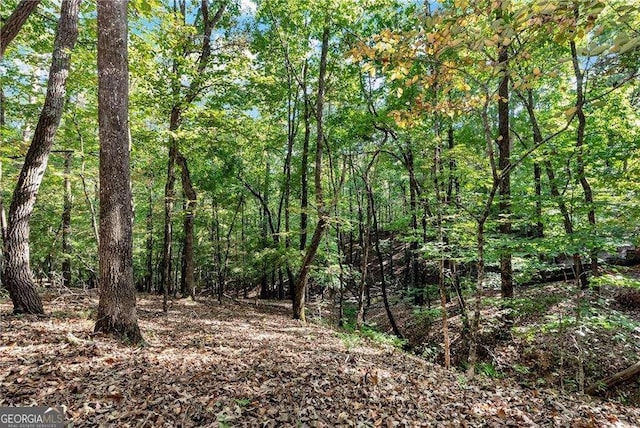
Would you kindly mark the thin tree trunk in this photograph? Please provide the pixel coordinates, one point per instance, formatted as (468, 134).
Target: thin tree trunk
(504, 147)
(475, 324)
(148, 279)
(580, 163)
(14, 23)
(117, 306)
(83, 180)
(66, 222)
(323, 216)
(266, 222)
(437, 170)
(553, 187)
(304, 165)
(383, 281)
(17, 269)
(418, 291)
(474, 339)
(365, 234)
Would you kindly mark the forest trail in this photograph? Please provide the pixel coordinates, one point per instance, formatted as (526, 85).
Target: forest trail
(208, 364)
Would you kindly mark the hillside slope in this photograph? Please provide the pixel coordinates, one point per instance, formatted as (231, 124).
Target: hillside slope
(238, 365)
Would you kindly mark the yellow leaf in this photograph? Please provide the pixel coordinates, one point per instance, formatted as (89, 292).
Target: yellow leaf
(570, 112)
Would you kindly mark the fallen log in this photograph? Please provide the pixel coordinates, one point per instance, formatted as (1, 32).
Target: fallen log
(613, 380)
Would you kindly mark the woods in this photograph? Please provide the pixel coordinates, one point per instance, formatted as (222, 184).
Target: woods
(458, 177)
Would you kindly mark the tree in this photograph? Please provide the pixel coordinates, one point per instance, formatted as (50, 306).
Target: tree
(117, 306)
(17, 269)
(14, 23)
(323, 213)
(182, 100)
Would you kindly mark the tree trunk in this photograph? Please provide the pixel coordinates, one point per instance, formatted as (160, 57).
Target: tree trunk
(169, 199)
(418, 291)
(580, 163)
(504, 147)
(187, 285)
(380, 257)
(365, 234)
(441, 202)
(553, 186)
(14, 23)
(323, 217)
(475, 324)
(117, 306)
(17, 269)
(66, 222)
(616, 379)
(148, 279)
(304, 166)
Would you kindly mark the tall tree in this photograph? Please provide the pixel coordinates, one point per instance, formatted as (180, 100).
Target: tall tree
(182, 101)
(117, 306)
(17, 269)
(504, 159)
(323, 214)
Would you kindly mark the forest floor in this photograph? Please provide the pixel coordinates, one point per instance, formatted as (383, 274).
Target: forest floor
(546, 345)
(207, 364)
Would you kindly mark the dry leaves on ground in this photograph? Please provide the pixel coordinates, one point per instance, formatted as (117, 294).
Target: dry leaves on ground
(234, 364)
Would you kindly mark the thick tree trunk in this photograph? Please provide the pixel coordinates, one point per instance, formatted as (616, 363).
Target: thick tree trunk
(169, 199)
(66, 222)
(14, 23)
(17, 269)
(117, 307)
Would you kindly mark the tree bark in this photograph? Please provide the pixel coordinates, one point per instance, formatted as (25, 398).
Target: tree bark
(187, 284)
(504, 160)
(117, 307)
(17, 269)
(14, 23)
(169, 199)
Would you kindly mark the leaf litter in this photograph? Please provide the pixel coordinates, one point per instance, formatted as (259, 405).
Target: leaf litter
(207, 364)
